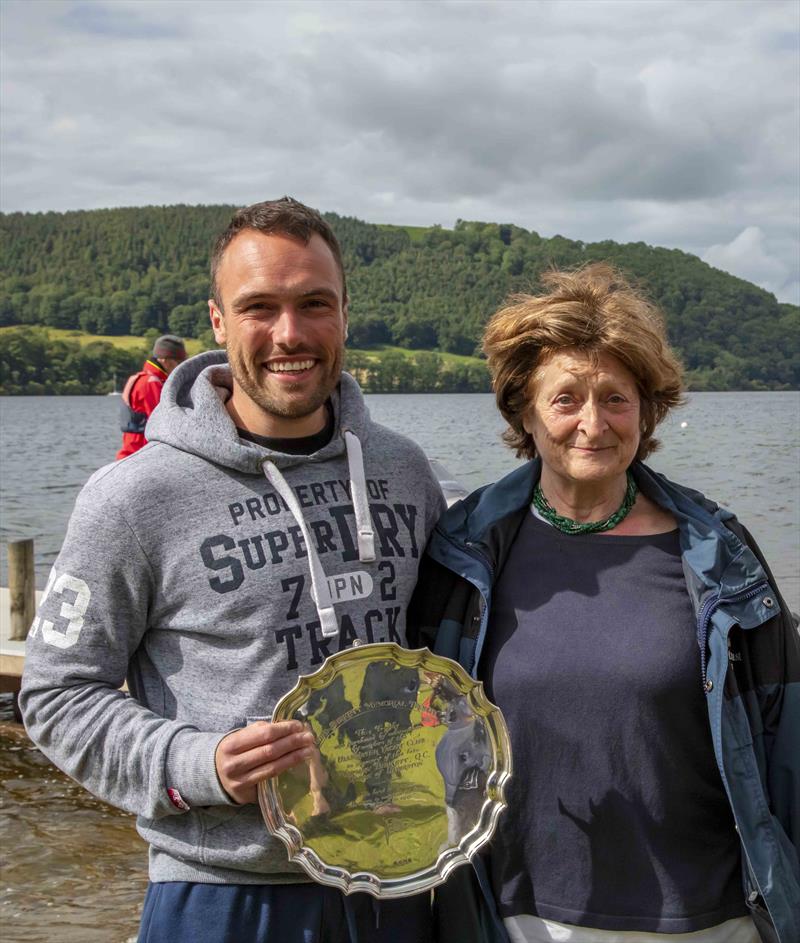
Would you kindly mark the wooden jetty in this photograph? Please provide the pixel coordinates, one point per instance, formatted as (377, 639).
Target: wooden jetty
(12, 651)
(18, 605)
(17, 608)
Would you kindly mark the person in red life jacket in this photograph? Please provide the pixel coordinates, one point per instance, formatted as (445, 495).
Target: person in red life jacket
(143, 391)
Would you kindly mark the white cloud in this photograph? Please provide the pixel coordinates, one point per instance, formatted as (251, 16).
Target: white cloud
(663, 121)
(748, 256)
(64, 125)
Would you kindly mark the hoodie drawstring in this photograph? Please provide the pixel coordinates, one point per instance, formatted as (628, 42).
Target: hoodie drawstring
(320, 590)
(358, 492)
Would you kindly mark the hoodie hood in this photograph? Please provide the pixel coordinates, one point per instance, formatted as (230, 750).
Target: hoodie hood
(192, 417)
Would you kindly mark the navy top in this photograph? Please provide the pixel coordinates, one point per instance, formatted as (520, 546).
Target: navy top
(617, 815)
(300, 445)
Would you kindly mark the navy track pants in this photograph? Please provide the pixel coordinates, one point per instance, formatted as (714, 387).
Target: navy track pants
(181, 912)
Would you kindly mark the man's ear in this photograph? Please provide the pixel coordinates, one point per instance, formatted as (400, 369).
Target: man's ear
(345, 313)
(217, 322)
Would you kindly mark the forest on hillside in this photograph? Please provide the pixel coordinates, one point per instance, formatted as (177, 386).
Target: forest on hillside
(140, 270)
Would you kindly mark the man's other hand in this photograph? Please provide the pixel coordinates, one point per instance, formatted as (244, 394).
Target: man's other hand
(258, 751)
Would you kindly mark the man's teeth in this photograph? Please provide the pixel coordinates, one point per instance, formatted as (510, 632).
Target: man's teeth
(292, 366)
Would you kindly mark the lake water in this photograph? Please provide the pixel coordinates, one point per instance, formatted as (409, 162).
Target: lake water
(74, 870)
(741, 449)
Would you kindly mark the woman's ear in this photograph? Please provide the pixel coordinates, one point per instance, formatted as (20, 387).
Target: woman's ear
(528, 420)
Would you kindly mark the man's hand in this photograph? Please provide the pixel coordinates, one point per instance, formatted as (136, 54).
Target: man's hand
(259, 751)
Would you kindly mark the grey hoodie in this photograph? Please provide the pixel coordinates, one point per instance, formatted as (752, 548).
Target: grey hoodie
(210, 573)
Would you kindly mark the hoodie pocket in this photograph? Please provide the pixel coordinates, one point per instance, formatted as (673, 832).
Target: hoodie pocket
(215, 815)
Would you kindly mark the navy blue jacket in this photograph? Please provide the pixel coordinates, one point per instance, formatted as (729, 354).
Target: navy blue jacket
(748, 665)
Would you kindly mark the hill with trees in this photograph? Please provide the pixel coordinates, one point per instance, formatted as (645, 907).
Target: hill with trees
(135, 271)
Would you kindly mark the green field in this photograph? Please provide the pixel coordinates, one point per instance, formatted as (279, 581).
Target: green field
(193, 346)
(386, 348)
(415, 232)
(39, 361)
(123, 341)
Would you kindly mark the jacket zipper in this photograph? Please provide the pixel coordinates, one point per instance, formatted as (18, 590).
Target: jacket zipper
(708, 608)
(470, 549)
(753, 877)
(480, 555)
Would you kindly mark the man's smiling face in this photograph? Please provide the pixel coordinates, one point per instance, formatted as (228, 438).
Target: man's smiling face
(282, 319)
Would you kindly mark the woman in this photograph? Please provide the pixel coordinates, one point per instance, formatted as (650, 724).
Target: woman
(630, 632)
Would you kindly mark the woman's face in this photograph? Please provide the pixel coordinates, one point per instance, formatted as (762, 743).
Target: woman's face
(584, 418)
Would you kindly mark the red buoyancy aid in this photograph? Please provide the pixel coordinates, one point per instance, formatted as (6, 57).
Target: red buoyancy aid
(139, 398)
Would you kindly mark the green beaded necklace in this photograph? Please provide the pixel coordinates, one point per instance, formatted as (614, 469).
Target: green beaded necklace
(567, 526)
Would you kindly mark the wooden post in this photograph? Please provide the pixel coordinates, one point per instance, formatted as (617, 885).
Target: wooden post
(21, 588)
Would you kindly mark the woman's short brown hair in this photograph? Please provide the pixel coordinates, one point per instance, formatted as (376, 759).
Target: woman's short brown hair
(595, 310)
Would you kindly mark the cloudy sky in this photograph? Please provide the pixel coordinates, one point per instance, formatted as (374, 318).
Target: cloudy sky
(675, 123)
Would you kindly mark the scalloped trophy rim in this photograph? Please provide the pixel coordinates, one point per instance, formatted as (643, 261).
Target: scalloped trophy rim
(451, 857)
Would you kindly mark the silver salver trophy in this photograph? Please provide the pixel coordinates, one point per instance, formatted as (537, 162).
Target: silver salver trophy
(407, 778)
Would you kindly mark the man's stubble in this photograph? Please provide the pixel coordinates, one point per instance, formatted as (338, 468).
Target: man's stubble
(287, 408)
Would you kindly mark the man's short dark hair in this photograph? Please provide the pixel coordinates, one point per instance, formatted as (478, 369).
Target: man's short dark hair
(170, 345)
(284, 217)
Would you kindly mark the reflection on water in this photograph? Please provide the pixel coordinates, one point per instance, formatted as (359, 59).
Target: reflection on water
(74, 869)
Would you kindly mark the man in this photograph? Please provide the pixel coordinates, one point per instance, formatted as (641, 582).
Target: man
(142, 392)
(208, 570)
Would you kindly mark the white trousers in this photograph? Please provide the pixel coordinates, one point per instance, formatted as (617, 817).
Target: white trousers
(528, 929)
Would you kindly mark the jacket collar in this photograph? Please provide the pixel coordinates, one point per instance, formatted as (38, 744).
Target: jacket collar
(154, 369)
(716, 563)
(473, 536)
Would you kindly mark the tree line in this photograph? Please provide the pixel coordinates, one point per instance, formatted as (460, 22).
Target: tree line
(35, 363)
(423, 372)
(133, 270)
